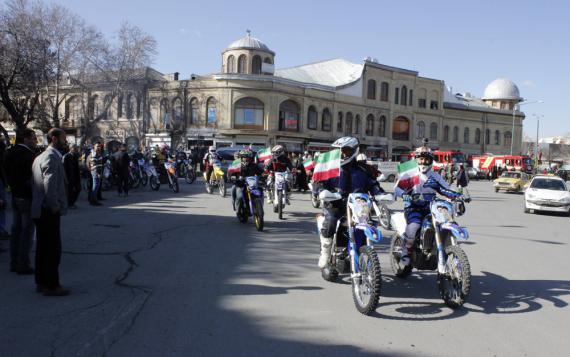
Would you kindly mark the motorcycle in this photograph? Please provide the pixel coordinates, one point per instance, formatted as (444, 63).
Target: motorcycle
(383, 214)
(352, 250)
(438, 229)
(170, 167)
(250, 203)
(134, 178)
(217, 178)
(315, 190)
(141, 172)
(281, 180)
(184, 169)
(152, 175)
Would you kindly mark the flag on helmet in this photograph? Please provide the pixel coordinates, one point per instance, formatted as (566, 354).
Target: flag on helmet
(409, 175)
(327, 166)
(264, 154)
(235, 167)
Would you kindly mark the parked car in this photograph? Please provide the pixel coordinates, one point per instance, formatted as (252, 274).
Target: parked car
(475, 174)
(547, 193)
(511, 181)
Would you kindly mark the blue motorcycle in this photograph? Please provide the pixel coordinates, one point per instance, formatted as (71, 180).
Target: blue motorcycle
(249, 202)
(439, 233)
(352, 250)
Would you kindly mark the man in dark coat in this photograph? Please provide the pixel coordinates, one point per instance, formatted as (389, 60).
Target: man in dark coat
(71, 165)
(121, 163)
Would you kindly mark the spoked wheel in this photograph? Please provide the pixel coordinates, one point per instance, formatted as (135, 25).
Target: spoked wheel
(385, 217)
(134, 181)
(258, 214)
(241, 213)
(455, 285)
(366, 288)
(315, 201)
(144, 179)
(174, 184)
(190, 175)
(222, 187)
(329, 274)
(400, 270)
(154, 183)
(209, 187)
(280, 204)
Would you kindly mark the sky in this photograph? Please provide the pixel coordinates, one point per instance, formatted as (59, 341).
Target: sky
(467, 44)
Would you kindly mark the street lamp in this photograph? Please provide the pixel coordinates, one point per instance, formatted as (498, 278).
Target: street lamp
(514, 111)
(536, 146)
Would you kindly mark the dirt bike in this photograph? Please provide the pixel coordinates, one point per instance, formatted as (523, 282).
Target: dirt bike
(383, 214)
(279, 183)
(170, 167)
(438, 229)
(352, 250)
(152, 175)
(250, 202)
(217, 179)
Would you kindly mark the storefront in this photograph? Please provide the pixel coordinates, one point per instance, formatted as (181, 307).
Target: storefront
(292, 145)
(315, 146)
(377, 153)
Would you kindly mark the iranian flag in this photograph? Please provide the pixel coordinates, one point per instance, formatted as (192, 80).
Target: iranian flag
(327, 166)
(264, 154)
(409, 175)
(309, 165)
(235, 167)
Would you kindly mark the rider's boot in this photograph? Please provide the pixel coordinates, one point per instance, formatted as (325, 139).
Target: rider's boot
(406, 251)
(325, 257)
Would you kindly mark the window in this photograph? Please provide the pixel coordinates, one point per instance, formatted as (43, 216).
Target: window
(131, 106)
(248, 113)
(371, 89)
(163, 114)
(312, 118)
(268, 60)
(382, 127)
(177, 112)
(326, 124)
(120, 106)
(433, 131)
(256, 65)
(231, 66)
(348, 129)
(421, 130)
(434, 105)
(242, 64)
(466, 136)
(477, 136)
(396, 95)
(411, 98)
(497, 138)
(487, 136)
(289, 116)
(455, 134)
(401, 129)
(384, 90)
(193, 111)
(211, 111)
(421, 103)
(404, 100)
(508, 137)
(446, 134)
(357, 125)
(73, 108)
(339, 126)
(370, 125)
(94, 107)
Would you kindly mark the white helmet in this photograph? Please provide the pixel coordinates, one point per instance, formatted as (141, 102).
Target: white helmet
(349, 148)
(425, 153)
(361, 157)
(212, 149)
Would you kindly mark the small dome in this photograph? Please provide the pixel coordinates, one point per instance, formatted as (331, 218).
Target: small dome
(502, 88)
(249, 42)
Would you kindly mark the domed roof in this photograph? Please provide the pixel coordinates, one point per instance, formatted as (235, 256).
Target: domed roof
(502, 88)
(249, 42)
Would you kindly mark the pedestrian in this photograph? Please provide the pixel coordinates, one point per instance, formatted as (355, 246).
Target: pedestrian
(49, 203)
(462, 180)
(18, 168)
(73, 175)
(3, 231)
(95, 166)
(121, 162)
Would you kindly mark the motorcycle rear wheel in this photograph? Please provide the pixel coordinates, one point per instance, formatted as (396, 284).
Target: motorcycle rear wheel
(366, 291)
(455, 285)
(384, 217)
(401, 271)
(241, 213)
(222, 187)
(258, 214)
(144, 179)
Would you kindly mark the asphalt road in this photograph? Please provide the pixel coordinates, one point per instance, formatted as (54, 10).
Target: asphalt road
(164, 274)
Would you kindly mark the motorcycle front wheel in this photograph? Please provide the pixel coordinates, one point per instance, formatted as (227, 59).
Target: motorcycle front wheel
(174, 184)
(280, 204)
(366, 288)
(400, 270)
(455, 285)
(144, 179)
(258, 214)
(222, 187)
(154, 183)
(241, 212)
(209, 187)
(190, 175)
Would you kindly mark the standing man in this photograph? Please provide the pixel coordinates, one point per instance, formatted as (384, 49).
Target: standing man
(95, 167)
(462, 181)
(121, 161)
(18, 166)
(73, 175)
(49, 203)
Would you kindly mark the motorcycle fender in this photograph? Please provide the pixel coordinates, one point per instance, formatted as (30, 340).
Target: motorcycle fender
(457, 231)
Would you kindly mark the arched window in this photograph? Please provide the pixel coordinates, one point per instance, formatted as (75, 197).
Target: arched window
(73, 108)
(211, 111)
(455, 134)
(487, 136)
(404, 100)
(312, 118)
(268, 60)
(177, 112)
(131, 105)
(397, 95)
(466, 136)
(384, 90)
(339, 125)
(256, 65)
(370, 125)
(446, 134)
(231, 66)
(248, 113)
(421, 129)
(348, 129)
(508, 137)
(326, 122)
(497, 138)
(371, 89)
(120, 106)
(163, 114)
(193, 111)
(357, 125)
(411, 97)
(433, 131)
(477, 136)
(382, 127)
(401, 129)
(242, 64)
(94, 107)
(289, 116)
(107, 107)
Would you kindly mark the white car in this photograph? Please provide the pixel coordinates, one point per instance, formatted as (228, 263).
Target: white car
(547, 193)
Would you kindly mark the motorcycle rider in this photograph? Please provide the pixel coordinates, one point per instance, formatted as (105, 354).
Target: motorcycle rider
(416, 209)
(248, 168)
(353, 178)
(279, 162)
(209, 159)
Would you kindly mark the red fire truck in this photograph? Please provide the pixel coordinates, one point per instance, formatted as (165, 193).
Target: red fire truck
(511, 162)
(442, 158)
